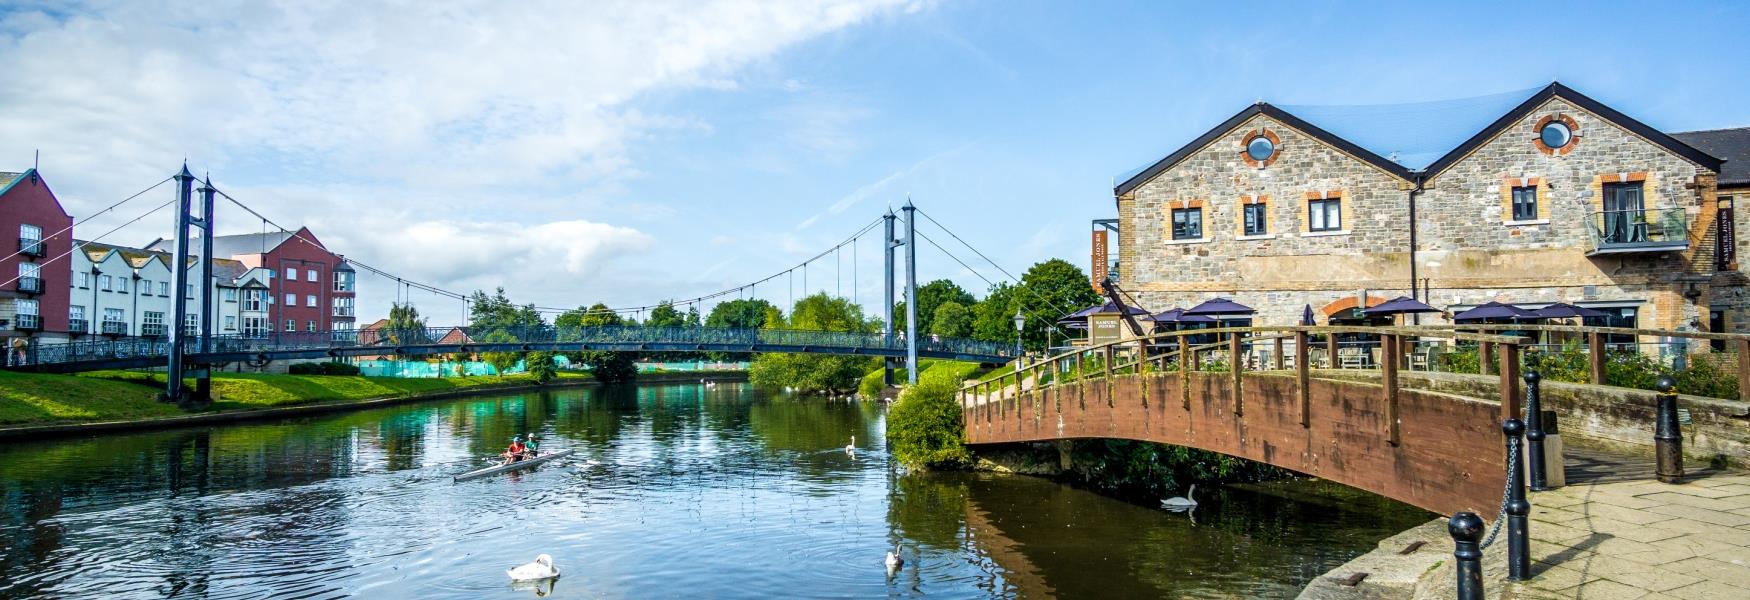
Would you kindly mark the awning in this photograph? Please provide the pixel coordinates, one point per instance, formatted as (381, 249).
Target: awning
(1563, 310)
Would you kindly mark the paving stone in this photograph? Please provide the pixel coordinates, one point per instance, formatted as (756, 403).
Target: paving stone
(1553, 515)
(1694, 489)
(1685, 498)
(1715, 517)
(1605, 589)
(1713, 570)
(1607, 501)
(1707, 590)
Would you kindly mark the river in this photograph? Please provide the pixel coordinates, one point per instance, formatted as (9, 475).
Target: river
(675, 491)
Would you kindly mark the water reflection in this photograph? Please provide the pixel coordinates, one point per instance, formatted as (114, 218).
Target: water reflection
(719, 491)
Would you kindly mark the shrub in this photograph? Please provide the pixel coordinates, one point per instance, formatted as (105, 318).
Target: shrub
(540, 365)
(925, 427)
(322, 368)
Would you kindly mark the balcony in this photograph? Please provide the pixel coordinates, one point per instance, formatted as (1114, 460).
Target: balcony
(147, 330)
(1649, 230)
(29, 323)
(30, 247)
(78, 326)
(115, 328)
(30, 285)
(343, 311)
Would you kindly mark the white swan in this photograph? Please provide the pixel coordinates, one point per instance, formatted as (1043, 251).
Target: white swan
(1185, 502)
(894, 560)
(542, 568)
(851, 447)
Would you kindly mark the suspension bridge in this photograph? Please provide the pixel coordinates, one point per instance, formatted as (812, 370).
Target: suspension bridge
(195, 349)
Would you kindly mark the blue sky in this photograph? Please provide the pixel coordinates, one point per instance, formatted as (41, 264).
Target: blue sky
(630, 153)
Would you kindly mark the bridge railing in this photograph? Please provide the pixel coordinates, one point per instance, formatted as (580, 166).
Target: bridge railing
(475, 339)
(1237, 350)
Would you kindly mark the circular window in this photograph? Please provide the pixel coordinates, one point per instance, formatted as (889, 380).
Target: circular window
(1260, 148)
(1556, 134)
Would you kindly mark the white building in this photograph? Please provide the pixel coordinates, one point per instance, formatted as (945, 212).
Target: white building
(121, 291)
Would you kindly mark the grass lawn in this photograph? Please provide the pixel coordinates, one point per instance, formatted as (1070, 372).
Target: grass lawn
(127, 395)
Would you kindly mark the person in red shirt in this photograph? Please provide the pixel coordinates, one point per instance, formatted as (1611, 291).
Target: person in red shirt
(517, 450)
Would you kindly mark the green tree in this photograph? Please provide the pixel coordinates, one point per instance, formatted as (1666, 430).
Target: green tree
(540, 365)
(951, 319)
(405, 326)
(504, 360)
(993, 318)
(1049, 290)
(930, 296)
(925, 426)
(665, 315)
(814, 372)
(612, 367)
(607, 367)
(739, 313)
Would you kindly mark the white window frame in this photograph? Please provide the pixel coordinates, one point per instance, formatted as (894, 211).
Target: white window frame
(291, 273)
(27, 306)
(230, 322)
(27, 231)
(311, 275)
(291, 300)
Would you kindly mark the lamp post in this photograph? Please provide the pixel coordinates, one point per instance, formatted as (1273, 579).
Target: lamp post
(1020, 326)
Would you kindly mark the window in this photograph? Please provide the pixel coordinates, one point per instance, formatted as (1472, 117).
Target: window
(191, 324)
(1625, 217)
(113, 315)
(31, 270)
(103, 282)
(1555, 134)
(1324, 215)
(291, 299)
(1615, 317)
(121, 284)
(343, 281)
(1260, 148)
(254, 326)
(76, 312)
(291, 274)
(291, 325)
(343, 307)
(252, 300)
(151, 323)
(29, 234)
(310, 326)
(82, 279)
(164, 289)
(310, 300)
(145, 287)
(310, 275)
(1525, 203)
(1187, 223)
(230, 294)
(230, 323)
(27, 316)
(188, 291)
(1257, 219)
(26, 307)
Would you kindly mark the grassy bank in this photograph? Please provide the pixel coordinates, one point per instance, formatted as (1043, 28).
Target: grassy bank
(30, 399)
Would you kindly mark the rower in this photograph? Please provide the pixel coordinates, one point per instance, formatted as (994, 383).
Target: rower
(534, 446)
(516, 450)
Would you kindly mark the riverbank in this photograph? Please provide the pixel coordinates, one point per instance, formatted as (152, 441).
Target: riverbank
(35, 405)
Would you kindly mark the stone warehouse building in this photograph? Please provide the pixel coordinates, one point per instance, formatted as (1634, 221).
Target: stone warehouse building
(1559, 199)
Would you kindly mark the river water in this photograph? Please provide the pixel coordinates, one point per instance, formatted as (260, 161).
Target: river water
(675, 491)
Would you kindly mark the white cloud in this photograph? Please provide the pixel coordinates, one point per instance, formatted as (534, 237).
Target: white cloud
(352, 115)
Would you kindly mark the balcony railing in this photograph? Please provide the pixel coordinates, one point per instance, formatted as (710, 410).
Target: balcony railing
(78, 326)
(29, 323)
(30, 247)
(345, 311)
(1645, 230)
(115, 328)
(30, 285)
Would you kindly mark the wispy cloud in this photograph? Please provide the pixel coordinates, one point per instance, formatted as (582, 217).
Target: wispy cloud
(871, 189)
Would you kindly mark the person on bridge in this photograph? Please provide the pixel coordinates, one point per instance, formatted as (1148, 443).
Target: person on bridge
(517, 450)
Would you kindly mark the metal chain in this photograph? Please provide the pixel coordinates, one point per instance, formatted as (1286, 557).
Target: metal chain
(1506, 492)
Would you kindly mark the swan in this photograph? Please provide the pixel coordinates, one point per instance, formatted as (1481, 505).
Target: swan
(851, 447)
(894, 560)
(542, 568)
(1185, 502)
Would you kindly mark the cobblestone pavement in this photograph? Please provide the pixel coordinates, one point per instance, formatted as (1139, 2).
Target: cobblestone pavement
(1624, 535)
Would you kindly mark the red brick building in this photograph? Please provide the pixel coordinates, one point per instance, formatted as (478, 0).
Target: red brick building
(38, 237)
(311, 289)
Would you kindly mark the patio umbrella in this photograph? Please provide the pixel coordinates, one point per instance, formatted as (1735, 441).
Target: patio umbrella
(1400, 305)
(1079, 319)
(1178, 315)
(1220, 306)
(1306, 317)
(1563, 310)
(1496, 310)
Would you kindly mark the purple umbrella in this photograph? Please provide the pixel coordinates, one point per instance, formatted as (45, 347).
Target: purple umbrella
(1563, 310)
(1306, 317)
(1400, 305)
(1220, 306)
(1178, 315)
(1496, 310)
(1079, 319)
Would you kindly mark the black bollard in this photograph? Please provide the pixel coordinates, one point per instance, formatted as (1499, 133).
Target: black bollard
(1518, 509)
(1667, 433)
(1534, 430)
(1467, 533)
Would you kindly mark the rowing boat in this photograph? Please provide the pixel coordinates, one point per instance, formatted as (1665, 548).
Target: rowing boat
(494, 470)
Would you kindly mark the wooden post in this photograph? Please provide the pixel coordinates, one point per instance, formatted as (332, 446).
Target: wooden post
(1185, 371)
(1743, 368)
(1303, 376)
(1237, 367)
(1485, 358)
(1595, 356)
(1107, 352)
(1331, 350)
(1388, 377)
(1510, 394)
(1278, 354)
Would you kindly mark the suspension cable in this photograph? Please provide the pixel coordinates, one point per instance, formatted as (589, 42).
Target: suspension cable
(77, 247)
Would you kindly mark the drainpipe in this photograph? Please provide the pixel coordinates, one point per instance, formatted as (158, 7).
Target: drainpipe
(1415, 318)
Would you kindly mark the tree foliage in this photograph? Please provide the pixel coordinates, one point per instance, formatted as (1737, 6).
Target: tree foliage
(503, 361)
(924, 428)
(739, 313)
(951, 320)
(1049, 290)
(930, 296)
(498, 312)
(814, 372)
(540, 365)
(607, 367)
(405, 326)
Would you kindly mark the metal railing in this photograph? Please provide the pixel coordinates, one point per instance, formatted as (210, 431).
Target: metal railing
(28, 322)
(438, 340)
(30, 247)
(1643, 230)
(30, 285)
(78, 326)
